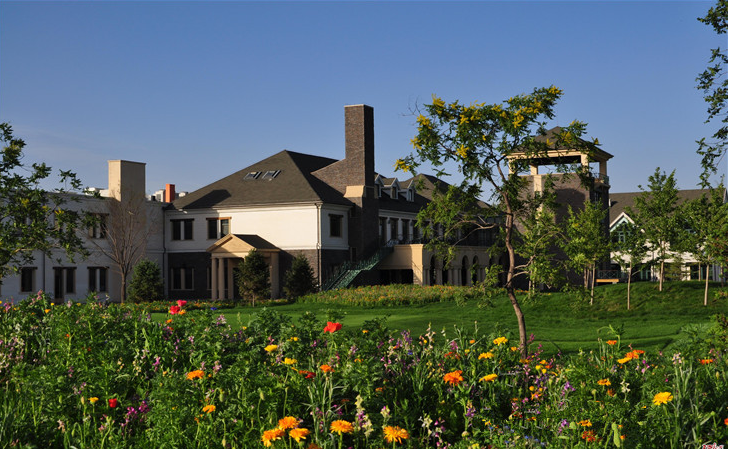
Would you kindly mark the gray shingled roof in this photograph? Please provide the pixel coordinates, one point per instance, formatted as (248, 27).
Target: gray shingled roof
(293, 184)
(620, 201)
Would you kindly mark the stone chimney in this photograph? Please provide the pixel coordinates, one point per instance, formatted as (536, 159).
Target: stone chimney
(126, 179)
(169, 193)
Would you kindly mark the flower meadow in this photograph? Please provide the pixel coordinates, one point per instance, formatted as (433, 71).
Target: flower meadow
(108, 376)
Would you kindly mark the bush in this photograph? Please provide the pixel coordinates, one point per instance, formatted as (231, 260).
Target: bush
(146, 283)
(253, 277)
(299, 280)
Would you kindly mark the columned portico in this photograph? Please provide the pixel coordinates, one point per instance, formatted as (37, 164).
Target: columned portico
(225, 255)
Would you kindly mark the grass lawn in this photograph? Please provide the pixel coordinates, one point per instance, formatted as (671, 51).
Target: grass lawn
(559, 321)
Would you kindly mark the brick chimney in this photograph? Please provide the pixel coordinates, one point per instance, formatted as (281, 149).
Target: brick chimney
(359, 144)
(169, 193)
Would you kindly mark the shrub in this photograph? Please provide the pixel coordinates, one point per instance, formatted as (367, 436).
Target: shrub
(146, 283)
(299, 280)
(253, 277)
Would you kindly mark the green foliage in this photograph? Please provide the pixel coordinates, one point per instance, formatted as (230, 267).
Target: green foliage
(300, 279)
(491, 144)
(586, 242)
(146, 283)
(31, 218)
(193, 380)
(253, 277)
(713, 82)
(655, 214)
(629, 247)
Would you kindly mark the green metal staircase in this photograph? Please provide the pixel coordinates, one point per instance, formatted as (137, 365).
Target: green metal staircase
(349, 271)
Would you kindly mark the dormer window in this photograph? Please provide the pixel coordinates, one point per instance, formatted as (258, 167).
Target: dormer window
(393, 192)
(378, 191)
(410, 195)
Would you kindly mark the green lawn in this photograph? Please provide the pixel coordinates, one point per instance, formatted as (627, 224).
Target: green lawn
(560, 322)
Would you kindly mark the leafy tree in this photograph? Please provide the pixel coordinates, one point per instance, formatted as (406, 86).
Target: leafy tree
(146, 283)
(655, 213)
(31, 218)
(300, 279)
(629, 247)
(253, 277)
(586, 243)
(482, 141)
(126, 229)
(705, 231)
(713, 82)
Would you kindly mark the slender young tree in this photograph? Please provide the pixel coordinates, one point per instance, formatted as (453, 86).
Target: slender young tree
(32, 218)
(630, 250)
(253, 277)
(655, 213)
(705, 230)
(537, 246)
(480, 140)
(586, 243)
(126, 228)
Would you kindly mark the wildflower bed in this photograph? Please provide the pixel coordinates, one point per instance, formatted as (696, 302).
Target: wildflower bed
(93, 376)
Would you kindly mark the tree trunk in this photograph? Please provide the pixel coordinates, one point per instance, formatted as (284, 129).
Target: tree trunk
(706, 284)
(123, 295)
(510, 287)
(592, 284)
(660, 277)
(630, 277)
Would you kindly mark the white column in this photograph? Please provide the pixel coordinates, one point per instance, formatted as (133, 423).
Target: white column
(231, 285)
(221, 279)
(213, 278)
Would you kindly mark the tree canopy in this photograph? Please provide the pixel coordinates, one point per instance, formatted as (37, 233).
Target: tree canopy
(32, 218)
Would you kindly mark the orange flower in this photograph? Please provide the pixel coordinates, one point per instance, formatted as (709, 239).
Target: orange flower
(288, 422)
(454, 377)
(604, 382)
(340, 426)
(313, 446)
(585, 423)
(272, 435)
(326, 368)
(209, 409)
(589, 436)
(299, 433)
(395, 433)
(707, 361)
(197, 374)
(612, 342)
(611, 392)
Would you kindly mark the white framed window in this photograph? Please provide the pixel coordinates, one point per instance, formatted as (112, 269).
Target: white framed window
(182, 229)
(98, 277)
(335, 225)
(218, 227)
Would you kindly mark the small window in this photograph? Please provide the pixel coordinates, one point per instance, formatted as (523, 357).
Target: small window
(27, 279)
(97, 279)
(98, 230)
(64, 281)
(335, 225)
(252, 175)
(393, 192)
(218, 228)
(271, 174)
(182, 278)
(182, 229)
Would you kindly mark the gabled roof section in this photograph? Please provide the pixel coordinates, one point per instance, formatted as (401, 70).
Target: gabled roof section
(620, 201)
(293, 183)
(241, 244)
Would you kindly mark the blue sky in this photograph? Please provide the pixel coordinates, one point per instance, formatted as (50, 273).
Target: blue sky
(199, 90)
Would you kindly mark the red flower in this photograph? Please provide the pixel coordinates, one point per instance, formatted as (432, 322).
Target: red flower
(181, 302)
(307, 374)
(332, 327)
(174, 310)
(113, 402)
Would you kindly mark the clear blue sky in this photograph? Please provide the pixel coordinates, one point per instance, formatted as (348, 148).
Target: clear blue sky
(200, 90)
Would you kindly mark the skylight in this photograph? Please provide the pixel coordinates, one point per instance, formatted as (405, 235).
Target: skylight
(252, 175)
(271, 174)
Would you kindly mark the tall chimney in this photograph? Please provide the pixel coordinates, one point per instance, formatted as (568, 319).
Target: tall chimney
(169, 193)
(359, 144)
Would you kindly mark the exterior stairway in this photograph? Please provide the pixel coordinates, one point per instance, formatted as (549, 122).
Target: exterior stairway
(349, 271)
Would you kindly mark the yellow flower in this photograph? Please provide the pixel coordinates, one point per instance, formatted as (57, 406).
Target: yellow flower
(209, 409)
(605, 382)
(489, 378)
(197, 374)
(662, 398)
(500, 341)
(438, 103)
(395, 433)
(485, 355)
(585, 423)
(288, 361)
(340, 426)
(294, 339)
(299, 434)
(271, 348)
(288, 422)
(93, 399)
(272, 435)
(624, 360)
